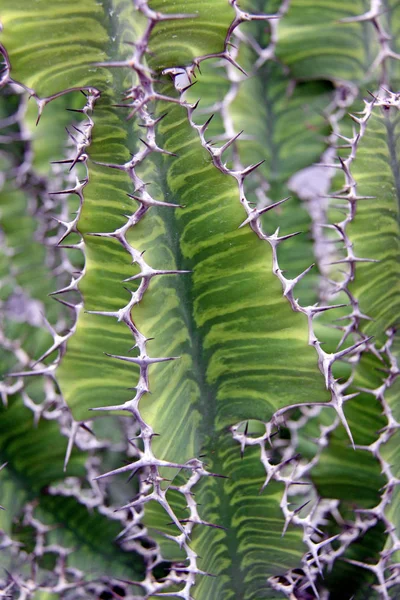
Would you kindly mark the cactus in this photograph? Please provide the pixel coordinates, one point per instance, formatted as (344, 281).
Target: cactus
(210, 193)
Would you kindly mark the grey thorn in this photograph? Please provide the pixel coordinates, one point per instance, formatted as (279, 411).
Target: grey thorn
(70, 445)
(229, 142)
(154, 202)
(72, 287)
(282, 238)
(304, 273)
(144, 360)
(353, 259)
(255, 213)
(318, 309)
(48, 370)
(342, 417)
(251, 168)
(206, 124)
(350, 349)
(155, 272)
(110, 408)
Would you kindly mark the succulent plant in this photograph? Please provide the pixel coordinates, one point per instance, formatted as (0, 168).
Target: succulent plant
(210, 193)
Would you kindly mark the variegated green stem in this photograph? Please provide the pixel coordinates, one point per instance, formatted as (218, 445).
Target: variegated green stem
(216, 158)
(371, 287)
(30, 263)
(157, 18)
(326, 359)
(284, 130)
(253, 219)
(386, 52)
(190, 249)
(60, 341)
(34, 450)
(151, 488)
(240, 173)
(370, 521)
(290, 515)
(229, 99)
(360, 326)
(312, 567)
(381, 278)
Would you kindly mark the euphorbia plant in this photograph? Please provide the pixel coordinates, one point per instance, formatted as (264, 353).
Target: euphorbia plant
(222, 360)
